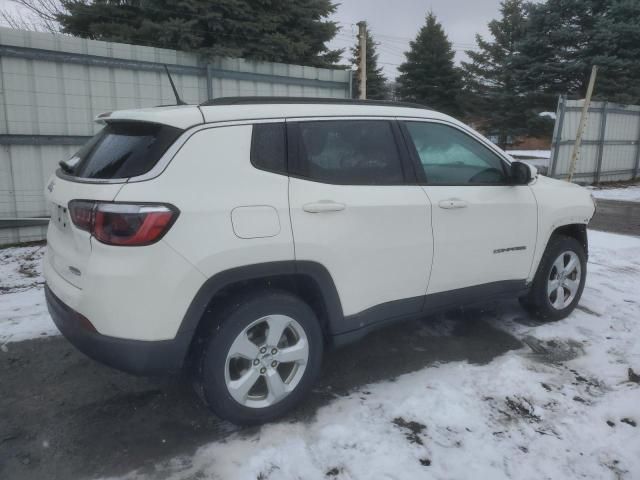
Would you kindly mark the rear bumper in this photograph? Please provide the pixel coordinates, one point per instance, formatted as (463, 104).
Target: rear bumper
(134, 356)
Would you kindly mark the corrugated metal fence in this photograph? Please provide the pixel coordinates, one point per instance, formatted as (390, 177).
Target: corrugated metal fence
(610, 148)
(53, 86)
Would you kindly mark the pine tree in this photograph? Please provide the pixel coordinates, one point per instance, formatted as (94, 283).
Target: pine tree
(377, 88)
(558, 49)
(428, 76)
(288, 31)
(617, 52)
(493, 94)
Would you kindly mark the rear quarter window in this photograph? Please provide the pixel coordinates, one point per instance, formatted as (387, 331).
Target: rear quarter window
(122, 150)
(269, 147)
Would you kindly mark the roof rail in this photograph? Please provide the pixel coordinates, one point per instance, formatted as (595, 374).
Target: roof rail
(264, 100)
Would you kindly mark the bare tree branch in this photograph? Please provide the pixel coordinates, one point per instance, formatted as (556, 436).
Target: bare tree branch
(34, 15)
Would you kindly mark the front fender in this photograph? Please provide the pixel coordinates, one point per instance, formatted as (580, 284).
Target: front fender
(560, 204)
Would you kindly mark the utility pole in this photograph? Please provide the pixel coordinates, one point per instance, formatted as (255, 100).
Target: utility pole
(583, 123)
(362, 67)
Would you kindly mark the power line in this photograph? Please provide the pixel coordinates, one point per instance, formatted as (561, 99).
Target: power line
(405, 40)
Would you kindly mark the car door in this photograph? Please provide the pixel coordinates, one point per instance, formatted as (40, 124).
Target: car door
(353, 212)
(484, 226)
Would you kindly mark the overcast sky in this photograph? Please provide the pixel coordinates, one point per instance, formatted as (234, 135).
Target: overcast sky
(394, 22)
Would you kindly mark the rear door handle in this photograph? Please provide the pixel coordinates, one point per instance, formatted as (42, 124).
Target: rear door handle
(323, 206)
(452, 203)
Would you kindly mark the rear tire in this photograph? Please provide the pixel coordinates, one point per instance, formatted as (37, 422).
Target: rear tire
(262, 358)
(559, 281)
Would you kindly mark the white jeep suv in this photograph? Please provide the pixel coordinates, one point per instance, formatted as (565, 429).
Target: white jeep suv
(245, 236)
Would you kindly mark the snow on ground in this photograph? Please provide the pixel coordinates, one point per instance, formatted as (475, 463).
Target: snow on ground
(23, 312)
(629, 193)
(561, 407)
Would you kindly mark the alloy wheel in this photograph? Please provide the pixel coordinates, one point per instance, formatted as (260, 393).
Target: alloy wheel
(266, 361)
(564, 280)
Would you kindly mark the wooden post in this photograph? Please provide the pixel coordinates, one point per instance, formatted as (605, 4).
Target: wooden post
(583, 123)
(362, 67)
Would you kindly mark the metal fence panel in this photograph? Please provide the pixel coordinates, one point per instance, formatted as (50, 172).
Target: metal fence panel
(53, 86)
(610, 148)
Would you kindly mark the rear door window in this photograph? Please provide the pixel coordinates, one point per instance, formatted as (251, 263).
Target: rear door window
(348, 152)
(122, 150)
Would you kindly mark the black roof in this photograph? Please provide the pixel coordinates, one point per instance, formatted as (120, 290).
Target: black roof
(264, 100)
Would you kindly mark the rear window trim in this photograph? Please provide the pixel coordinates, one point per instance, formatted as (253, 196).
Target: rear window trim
(60, 173)
(163, 135)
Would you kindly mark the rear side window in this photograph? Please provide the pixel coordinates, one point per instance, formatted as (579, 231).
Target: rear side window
(122, 150)
(348, 152)
(269, 147)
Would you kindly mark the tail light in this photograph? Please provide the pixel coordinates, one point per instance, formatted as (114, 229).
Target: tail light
(82, 214)
(127, 224)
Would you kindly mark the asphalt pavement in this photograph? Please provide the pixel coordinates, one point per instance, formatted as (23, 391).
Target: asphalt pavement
(617, 217)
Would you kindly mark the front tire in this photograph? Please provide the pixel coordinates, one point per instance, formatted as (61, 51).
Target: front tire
(559, 281)
(262, 358)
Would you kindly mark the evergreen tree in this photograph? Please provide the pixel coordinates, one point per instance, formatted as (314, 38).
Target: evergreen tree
(428, 76)
(492, 92)
(617, 52)
(559, 48)
(377, 88)
(288, 31)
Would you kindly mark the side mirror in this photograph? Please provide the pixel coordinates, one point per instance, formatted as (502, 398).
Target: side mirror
(522, 173)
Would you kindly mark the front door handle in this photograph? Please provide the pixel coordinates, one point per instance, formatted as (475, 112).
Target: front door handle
(323, 206)
(452, 203)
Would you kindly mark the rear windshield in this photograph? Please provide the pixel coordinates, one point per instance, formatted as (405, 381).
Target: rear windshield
(121, 150)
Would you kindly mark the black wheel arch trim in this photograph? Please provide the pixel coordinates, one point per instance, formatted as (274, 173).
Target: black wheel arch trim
(574, 230)
(218, 282)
